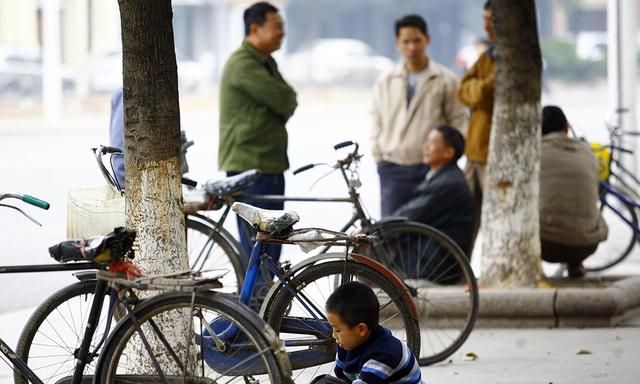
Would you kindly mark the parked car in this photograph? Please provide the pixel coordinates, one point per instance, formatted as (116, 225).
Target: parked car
(334, 61)
(105, 73)
(21, 73)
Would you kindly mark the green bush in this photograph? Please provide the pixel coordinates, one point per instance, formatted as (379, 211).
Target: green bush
(562, 63)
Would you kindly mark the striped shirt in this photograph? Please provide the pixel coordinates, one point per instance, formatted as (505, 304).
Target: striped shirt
(380, 359)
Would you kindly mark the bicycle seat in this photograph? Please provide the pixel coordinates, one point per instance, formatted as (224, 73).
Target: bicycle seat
(264, 220)
(232, 184)
(100, 249)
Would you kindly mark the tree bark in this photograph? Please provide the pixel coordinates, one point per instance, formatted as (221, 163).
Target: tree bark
(152, 142)
(510, 218)
(152, 135)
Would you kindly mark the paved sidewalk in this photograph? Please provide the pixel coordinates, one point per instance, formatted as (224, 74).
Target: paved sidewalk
(541, 355)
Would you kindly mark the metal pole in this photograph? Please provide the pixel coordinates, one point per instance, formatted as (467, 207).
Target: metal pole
(51, 67)
(613, 54)
(628, 76)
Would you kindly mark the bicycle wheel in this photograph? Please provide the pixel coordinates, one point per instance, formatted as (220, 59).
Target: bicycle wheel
(213, 252)
(621, 238)
(297, 313)
(439, 276)
(171, 340)
(54, 333)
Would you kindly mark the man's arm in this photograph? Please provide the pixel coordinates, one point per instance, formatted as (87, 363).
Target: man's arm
(455, 112)
(376, 121)
(258, 83)
(425, 205)
(474, 89)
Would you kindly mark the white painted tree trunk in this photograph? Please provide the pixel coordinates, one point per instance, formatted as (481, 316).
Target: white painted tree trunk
(510, 218)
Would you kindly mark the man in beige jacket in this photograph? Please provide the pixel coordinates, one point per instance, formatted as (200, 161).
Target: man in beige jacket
(408, 102)
(571, 225)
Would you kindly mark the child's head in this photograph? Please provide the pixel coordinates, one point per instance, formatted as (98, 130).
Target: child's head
(352, 311)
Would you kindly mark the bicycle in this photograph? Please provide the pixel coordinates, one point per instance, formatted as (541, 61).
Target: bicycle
(619, 202)
(219, 246)
(294, 307)
(109, 255)
(441, 279)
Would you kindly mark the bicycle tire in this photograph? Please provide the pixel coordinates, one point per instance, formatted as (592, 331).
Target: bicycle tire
(316, 283)
(214, 251)
(54, 331)
(258, 336)
(441, 281)
(621, 239)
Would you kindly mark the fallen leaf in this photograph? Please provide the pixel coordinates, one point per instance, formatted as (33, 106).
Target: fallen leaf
(470, 357)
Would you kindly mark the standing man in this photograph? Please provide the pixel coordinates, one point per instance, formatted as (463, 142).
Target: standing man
(408, 102)
(255, 105)
(476, 92)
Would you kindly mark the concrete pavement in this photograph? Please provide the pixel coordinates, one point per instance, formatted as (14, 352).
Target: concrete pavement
(544, 355)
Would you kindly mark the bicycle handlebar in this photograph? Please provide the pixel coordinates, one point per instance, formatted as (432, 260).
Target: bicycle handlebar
(106, 150)
(343, 144)
(35, 202)
(32, 200)
(303, 168)
(621, 149)
(27, 199)
(341, 163)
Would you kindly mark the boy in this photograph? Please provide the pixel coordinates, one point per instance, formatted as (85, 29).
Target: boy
(367, 352)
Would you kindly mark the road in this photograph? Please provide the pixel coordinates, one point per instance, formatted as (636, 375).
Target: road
(48, 160)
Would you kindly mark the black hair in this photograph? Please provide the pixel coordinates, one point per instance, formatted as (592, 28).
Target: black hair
(415, 21)
(553, 119)
(452, 138)
(257, 14)
(355, 303)
(487, 5)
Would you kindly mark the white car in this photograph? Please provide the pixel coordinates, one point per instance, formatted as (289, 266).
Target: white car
(21, 73)
(334, 61)
(105, 74)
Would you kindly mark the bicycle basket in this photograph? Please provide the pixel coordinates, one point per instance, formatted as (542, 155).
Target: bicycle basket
(603, 154)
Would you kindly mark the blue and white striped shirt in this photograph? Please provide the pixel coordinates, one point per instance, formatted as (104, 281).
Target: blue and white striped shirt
(380, 359)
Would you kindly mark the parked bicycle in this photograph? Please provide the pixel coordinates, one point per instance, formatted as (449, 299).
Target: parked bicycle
(434, 269)
(55, 353)
(295, 305)
(219, 246)
(619, 201)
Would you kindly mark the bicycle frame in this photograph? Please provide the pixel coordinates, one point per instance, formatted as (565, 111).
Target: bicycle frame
(621, 196)
(353, 198)
(18, 363)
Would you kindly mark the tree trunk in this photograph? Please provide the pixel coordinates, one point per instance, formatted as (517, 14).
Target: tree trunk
(152, 139)
(510, 219)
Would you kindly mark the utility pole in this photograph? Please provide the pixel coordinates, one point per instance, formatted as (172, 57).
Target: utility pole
(621, 68)
(51, 66)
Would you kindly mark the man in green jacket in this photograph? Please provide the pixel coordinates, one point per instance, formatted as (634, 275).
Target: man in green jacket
(255, 105)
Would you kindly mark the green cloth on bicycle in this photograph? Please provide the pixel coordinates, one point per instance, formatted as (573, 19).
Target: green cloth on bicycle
(255, 105)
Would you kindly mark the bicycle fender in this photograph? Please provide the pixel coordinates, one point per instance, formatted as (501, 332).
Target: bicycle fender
(393, 278)
(85, 275)
(392, 219)
(381, 268)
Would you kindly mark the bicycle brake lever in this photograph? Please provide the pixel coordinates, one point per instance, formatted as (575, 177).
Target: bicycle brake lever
(23, 212)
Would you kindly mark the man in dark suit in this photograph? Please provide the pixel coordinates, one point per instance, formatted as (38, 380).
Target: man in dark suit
(443, 200)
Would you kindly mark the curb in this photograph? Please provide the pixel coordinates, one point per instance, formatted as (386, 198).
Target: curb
(551, 307)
